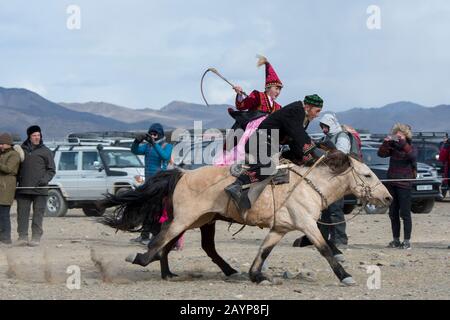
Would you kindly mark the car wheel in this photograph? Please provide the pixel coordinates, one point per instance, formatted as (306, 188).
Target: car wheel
(422, 206)
(373, 209)
(348, 208)
(122, 190)
(56, 204)
(93, 212)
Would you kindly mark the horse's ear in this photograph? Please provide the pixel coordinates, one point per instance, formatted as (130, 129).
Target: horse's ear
(353, 159)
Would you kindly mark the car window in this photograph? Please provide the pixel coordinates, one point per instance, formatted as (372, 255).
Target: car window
(68, 161)
(371, 157)
(88, 160)
(122, 159)
(428, 152)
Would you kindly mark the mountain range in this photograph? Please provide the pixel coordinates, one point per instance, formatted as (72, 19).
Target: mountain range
(21, 108)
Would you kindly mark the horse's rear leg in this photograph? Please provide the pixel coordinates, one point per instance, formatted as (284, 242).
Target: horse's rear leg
(164, 260)
(268, 244)
(162, 256)
(315, 236)
(167, 234)
(208, 232)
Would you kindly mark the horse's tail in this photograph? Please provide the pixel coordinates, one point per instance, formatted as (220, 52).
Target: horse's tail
(143, 206)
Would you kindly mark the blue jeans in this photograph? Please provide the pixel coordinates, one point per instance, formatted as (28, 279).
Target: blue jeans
(5, 223)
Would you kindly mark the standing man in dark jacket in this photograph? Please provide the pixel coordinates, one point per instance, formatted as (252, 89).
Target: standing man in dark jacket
(290, 124)
(402, 165)
(35, 173)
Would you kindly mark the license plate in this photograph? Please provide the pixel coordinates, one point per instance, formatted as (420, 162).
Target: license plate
(426, 187)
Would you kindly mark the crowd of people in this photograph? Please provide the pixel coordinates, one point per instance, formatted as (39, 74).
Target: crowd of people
(26, 170)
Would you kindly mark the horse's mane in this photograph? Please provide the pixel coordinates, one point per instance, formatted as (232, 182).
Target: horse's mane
(337, 161)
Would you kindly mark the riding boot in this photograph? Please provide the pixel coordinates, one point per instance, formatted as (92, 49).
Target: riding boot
(239, 196)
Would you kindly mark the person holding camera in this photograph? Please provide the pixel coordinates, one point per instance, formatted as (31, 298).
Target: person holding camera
(402, 166)
(157, 153)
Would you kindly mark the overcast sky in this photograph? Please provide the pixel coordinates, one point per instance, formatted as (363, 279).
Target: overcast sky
(147, 53)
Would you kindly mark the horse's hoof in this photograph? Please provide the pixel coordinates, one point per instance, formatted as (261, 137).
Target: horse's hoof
(340, 257)
(272, 282)
(348, 281)
(169, 276)
(259, 277)
(237, 277)
(131, 257)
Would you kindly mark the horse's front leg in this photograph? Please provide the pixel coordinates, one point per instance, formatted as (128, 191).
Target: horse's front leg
(268, 244)
(315, 236)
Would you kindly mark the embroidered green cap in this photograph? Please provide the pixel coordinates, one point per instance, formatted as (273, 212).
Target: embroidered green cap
(314, 100)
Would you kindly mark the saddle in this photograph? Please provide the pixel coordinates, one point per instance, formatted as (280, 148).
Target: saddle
(254, 190)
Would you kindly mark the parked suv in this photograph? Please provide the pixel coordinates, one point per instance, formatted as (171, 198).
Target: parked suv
(84, 173)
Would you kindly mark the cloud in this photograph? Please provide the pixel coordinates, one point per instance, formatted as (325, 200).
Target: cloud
(148, 53)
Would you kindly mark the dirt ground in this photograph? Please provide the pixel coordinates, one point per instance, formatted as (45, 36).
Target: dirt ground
(76, 240)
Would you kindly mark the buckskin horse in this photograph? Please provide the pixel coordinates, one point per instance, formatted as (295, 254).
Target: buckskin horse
(196, 199)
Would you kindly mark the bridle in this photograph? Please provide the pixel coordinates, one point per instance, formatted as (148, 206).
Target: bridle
(365, 191)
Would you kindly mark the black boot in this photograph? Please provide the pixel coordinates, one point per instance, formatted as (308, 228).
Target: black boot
(238, 195)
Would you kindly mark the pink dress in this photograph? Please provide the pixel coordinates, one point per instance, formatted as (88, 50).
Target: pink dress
(237, 154)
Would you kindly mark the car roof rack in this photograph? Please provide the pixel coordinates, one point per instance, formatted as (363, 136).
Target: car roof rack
(430, 135)
(73, 142)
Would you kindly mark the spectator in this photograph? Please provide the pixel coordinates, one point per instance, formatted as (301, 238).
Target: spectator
(9, 167)
(402, 165)
(335, 137)
(35, 173)
(335, 211)
(157, 154)
(444, 157)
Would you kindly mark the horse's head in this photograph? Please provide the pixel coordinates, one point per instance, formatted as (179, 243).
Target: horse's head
(365, 185)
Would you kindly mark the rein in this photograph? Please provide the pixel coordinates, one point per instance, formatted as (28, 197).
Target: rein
(302, 177)
(367, 192)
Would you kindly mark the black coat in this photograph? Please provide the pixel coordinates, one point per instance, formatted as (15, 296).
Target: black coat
(36, 170)
(290, 122)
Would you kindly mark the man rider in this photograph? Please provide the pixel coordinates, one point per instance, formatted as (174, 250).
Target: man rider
(290, 123)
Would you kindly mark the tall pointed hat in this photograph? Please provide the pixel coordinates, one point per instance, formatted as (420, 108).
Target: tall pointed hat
(271, 76)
